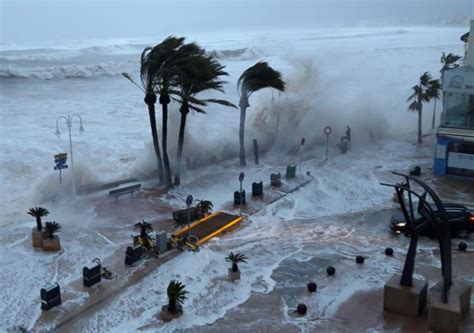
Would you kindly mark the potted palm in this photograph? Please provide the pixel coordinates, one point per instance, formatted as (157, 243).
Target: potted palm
(37, 232)
(176, 296)
(205, 207)
(234, 272)
(51, 242)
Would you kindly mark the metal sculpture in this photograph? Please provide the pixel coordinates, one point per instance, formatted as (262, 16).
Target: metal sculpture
(437, 217)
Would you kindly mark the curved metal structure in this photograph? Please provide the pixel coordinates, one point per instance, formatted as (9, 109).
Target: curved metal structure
(432, 209)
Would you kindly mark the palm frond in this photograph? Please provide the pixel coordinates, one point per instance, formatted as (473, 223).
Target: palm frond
(259, 76)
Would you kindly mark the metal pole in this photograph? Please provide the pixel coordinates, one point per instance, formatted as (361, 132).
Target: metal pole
(327, 146)
(240, 199)
(60, 180)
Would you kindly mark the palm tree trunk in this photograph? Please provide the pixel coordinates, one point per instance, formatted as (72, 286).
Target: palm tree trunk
(150, 100)
(172, 306)
(420, 138)
(164, 101)
(434, 116)
(184, 112)
(38, 223)
(241, 136)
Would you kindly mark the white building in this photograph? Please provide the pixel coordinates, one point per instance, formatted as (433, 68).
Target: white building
(455, 136)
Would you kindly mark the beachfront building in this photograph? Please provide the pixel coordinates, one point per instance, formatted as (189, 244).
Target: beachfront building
(454, 155)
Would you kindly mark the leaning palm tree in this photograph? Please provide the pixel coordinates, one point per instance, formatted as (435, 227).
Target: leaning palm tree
(434, 92)
(176, 296)
(235, 259)
(197, 74)
(144, 228)
(169, 57)
(256, 77)
(148, 68)
(419, 96)
(38, 212)
(52, 228)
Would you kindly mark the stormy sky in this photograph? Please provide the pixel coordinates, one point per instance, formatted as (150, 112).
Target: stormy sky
(39, 20)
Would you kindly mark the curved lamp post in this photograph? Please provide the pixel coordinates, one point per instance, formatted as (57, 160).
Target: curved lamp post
(69, 120)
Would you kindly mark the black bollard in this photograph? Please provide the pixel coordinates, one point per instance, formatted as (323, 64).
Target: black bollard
(462, 246)
(360, 259)
(50, 296)
(133, 254)
(239, 198)
(91, 276)
(301, 309)
(312, 287)
(389, 251)
(331, 270)
(415, 171)
(275, 179)
(257, 189)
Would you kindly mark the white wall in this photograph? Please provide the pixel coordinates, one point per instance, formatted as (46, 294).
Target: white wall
(470, 48)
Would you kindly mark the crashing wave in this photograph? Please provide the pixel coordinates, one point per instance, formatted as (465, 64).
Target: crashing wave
(67, 71)
(237, 54)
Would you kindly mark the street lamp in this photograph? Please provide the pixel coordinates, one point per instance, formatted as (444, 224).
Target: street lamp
(69, 120)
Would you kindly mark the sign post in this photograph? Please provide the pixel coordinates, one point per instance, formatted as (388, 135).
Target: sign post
(328, 131)
(301, 154)
(189, 202)
(60, 160)
(241, 179)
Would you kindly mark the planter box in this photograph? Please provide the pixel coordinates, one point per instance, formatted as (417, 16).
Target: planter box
(37, 237)
(51, 244)
(234, 275)
(169, 316)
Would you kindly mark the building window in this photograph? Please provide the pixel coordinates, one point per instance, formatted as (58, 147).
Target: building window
(459, 110)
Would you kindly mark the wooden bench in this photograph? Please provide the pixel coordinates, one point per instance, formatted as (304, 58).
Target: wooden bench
(125, 190)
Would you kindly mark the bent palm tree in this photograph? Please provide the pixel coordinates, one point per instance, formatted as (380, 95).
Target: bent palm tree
(52, 228)
(38, 212)
(419, 96)
(176, 296)
(434, 92)
(198, 74)
(256, 77)
(147, 76)
(235, 259)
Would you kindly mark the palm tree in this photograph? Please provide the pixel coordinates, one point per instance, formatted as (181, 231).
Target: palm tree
(235, 259)
(176, 296)
(38, 212)
(419, 96)
(144, 228)
(205, 206)
(198, 74)
(147, 76)
(256, 77)
(434, 92)
(52, 228)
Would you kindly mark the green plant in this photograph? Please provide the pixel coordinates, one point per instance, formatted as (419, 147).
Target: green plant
(52, 228)
(176, 295)
(235, 259)
(205, 206)
(38, 212)
(422, 93)
(144, 228)
(256, 77)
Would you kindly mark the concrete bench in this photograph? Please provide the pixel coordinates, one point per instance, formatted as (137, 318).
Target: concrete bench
(125, 190)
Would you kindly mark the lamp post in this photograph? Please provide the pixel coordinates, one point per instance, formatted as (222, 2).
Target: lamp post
(69, 120)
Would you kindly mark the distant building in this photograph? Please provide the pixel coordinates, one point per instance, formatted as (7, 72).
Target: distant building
(454, 154)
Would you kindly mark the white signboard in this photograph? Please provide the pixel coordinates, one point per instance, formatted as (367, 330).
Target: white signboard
(462, 161)
(441, 151)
